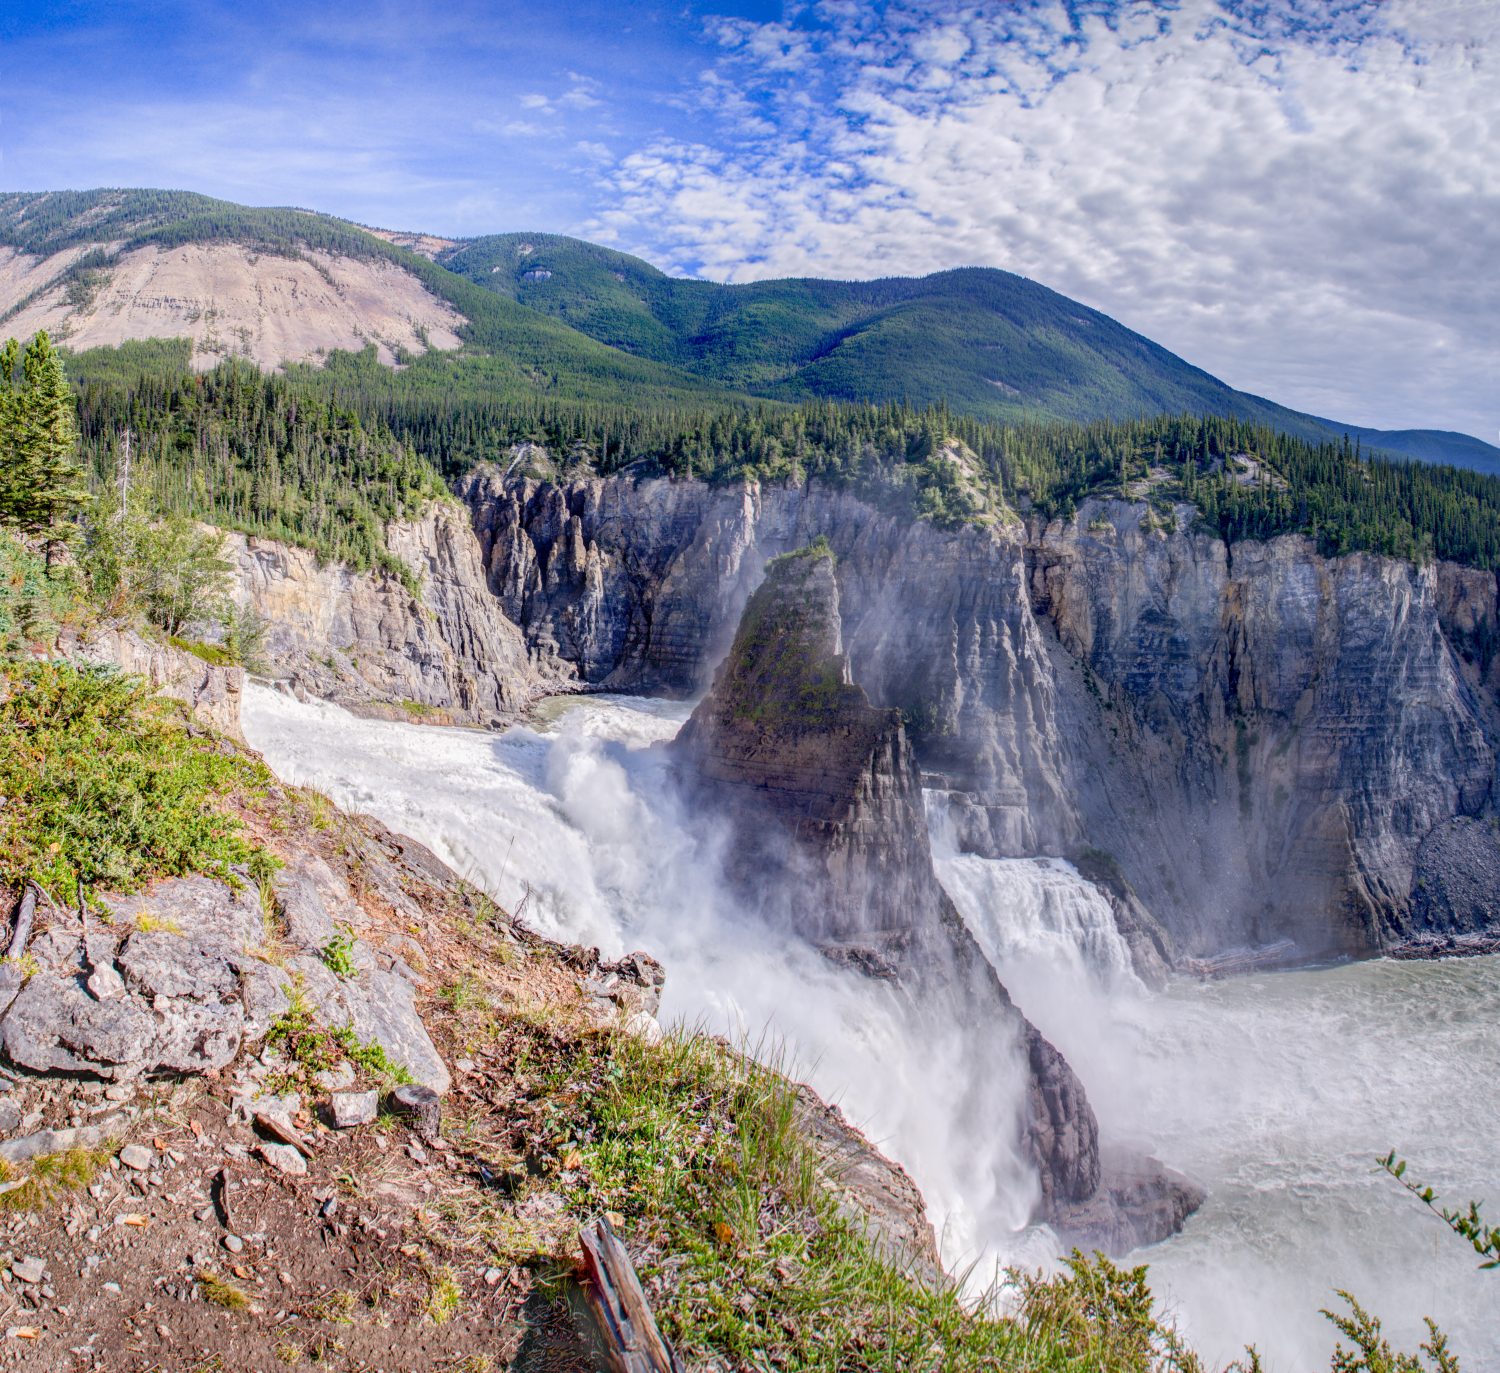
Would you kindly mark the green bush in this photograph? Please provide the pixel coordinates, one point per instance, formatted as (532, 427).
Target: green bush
(34, 602)
(106, 786)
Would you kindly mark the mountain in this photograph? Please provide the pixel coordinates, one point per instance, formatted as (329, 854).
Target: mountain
(555, 317)
(1432, 445)
(985, 342)
(283, 286)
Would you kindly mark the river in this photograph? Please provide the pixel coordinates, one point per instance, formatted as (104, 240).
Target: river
(1276, 1092)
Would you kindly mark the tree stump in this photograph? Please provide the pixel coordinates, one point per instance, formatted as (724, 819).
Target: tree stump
(423, 1109)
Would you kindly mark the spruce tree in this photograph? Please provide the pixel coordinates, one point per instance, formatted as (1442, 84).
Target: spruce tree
(47, 434)
(12, 472)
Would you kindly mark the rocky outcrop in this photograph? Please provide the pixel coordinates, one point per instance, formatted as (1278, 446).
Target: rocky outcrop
(178, 978)
(871, 1191)
(365, 641)
(156, 990)
(1456, 894)
(211, 691)
(820, 785)
(1258, 740)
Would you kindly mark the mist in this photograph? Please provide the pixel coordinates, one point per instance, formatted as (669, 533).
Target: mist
(1275, 1092)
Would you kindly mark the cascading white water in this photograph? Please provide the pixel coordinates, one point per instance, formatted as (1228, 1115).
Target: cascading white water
(1035, 918)
(1276, 1092)
(575, 823)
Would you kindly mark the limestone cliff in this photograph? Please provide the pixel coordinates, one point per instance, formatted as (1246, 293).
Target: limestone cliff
(820, 785)
(363, 640)
(1257, 740)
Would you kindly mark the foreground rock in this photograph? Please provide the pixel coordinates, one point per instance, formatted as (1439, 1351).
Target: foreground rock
(187, 972)
(823, 787)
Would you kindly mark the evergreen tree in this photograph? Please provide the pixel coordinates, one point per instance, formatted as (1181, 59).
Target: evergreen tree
(43, 484)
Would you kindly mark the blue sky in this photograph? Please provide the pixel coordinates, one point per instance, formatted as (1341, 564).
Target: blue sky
(1302, 196)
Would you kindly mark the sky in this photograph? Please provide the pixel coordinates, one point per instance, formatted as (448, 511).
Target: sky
(1301, 196)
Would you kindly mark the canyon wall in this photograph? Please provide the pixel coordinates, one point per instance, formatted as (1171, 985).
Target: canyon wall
(1255, 742)
(1251, 745)
(363, 640)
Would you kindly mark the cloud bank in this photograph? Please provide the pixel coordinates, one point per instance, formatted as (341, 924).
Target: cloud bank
(1301, 196)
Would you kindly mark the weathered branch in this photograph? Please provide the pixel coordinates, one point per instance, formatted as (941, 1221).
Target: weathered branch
(24, 920)
(11, 976)
(627, 1329)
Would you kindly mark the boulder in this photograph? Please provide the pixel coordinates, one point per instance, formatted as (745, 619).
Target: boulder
(158, 989)
(349, 1109)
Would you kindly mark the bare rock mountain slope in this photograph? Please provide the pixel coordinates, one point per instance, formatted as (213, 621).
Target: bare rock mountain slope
(230, 299)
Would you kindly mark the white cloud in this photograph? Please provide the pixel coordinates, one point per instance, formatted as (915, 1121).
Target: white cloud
(1300, 195)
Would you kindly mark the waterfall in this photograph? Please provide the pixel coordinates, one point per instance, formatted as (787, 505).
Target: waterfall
(1036, 919)
(1275, 1091)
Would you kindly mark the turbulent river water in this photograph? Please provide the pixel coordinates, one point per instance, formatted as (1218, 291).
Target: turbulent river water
(1276, 1092)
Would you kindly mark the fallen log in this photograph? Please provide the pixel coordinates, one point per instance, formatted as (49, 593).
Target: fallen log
(11, 974)
(628, 1335)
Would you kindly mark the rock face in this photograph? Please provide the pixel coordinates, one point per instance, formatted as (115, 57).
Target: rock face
(211, 692)
(231, 301)
(1258, 743)
(186, 972)
(819, 784)
(362, 640)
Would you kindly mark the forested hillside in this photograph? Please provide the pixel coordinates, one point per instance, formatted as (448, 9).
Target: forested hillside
(984, 342)
(325, 457)
(555, 320)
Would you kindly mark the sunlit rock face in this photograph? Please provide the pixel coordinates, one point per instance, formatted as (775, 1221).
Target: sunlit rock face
(1253, 741)
(829, 839)
(442, 652)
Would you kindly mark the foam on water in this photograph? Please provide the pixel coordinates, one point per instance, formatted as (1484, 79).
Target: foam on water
(574, 824)
(1274, 1091)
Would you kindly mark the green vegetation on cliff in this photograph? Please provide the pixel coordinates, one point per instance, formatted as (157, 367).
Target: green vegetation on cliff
(106, 788)
(325, 458)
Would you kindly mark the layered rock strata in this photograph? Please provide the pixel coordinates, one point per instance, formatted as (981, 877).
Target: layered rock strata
(822, 790)
(365, 641)
(1258, 740)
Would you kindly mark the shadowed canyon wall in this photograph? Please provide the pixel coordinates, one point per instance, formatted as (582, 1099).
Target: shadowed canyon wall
(1256, 742)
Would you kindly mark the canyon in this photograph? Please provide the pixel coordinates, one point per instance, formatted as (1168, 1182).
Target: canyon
(1260, 754)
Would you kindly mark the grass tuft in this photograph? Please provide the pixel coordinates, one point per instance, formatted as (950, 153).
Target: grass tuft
(48, 1175)
(313, 1048)
(445, 1298)
(221, 1292)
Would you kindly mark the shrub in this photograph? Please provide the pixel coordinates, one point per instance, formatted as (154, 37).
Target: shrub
(106, 787)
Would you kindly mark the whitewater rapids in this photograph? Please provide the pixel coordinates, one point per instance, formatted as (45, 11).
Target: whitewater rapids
(1276, 1092)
